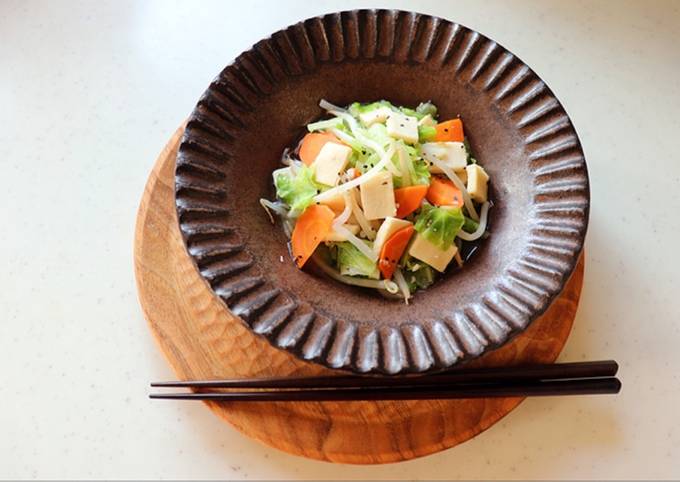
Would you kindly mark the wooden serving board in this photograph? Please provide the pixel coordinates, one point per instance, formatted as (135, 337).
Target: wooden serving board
(202, 339)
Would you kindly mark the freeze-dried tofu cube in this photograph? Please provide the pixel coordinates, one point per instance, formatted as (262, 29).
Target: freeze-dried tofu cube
(451, 154)
(377, 197)
(330, 162)
(477, 182)
(432, 254)
(403, 127)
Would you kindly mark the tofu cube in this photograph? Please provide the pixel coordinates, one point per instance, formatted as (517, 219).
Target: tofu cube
(452, 154)
(377, 197)
(330, 162)
(333, 237)
(477, 182)
(427, 121)
(336, 203)
(462, 175)
(387, 229)
(376, 115)
(433, 151)
(402, 126)
(432, 254)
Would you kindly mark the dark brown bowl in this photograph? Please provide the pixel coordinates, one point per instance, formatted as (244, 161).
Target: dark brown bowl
(518, 130)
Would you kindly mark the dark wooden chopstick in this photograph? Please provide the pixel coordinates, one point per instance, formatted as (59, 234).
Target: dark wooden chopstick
(529, 388)
(557, 371)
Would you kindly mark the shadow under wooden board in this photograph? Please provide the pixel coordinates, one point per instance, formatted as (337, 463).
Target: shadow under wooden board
(202, 339)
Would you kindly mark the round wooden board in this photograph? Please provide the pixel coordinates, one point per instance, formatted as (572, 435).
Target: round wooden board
(202, 339)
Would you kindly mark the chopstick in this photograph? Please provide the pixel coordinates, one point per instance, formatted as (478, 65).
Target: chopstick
(578, 378)
(556, 371)
(595, 386)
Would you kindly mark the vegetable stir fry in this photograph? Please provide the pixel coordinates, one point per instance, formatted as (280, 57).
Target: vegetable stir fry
(381, 196)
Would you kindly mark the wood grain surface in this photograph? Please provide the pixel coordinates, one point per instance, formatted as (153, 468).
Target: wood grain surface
(202, 339)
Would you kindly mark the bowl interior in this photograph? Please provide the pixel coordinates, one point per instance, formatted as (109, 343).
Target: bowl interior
(494, 141)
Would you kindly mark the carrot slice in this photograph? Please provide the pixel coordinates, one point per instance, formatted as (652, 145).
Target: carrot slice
(312, 143)
(443, 192)
(392, 250)
(311, 227)
(408, 199)
(450, 131)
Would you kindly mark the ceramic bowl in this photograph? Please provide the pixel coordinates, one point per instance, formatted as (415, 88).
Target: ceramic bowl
(518, 130)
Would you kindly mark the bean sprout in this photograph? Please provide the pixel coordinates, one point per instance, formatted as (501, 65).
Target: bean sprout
(481, 229)
(387, 285)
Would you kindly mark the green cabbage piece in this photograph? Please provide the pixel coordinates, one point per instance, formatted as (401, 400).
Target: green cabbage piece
(378, 133)
(352, 262)
(470, 225)
(410, 112)
(417, 168)
(439, 225)
(425, 108)
(418, 275)
(420, 173)
(328, 252)
(325, 124)
(357, 108)
(354, 144)
(424, 277)
(468, 150)
(364, 159)
(297, 191)
(426, 133)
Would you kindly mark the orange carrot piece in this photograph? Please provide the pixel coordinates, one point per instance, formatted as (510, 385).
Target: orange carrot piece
(443, 192)
(450, 131)
(311, 227)
(392, 250)
(408, 199)
(312, 143)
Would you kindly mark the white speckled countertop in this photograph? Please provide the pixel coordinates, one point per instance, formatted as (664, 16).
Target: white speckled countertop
(90, 92)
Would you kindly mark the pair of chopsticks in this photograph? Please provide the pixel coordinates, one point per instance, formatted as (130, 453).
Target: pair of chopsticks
(579, 378)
